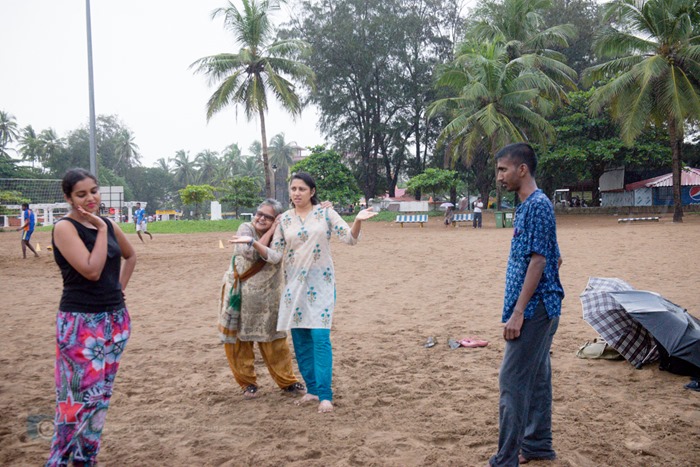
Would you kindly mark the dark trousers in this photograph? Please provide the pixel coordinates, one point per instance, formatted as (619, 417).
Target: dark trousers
(477, 220)
(525, 380)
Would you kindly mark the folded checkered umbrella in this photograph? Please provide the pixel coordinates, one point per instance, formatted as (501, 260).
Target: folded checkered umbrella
(614, 324)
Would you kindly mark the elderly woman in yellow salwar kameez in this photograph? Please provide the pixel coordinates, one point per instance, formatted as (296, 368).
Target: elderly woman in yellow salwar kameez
(249, 308)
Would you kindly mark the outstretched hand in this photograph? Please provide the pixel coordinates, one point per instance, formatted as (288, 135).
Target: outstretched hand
(240, 239)
(365, 214)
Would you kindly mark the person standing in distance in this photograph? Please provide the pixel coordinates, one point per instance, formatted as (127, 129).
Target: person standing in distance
(141, 223)
(478, 206)
(28, 229)
(531, 309)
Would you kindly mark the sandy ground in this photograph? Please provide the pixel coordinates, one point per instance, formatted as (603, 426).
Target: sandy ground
(397, 403)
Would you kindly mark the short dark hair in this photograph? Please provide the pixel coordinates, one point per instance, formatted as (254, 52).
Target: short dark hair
(74, 176)
(309, 181)
(25, 206)
(520, 153)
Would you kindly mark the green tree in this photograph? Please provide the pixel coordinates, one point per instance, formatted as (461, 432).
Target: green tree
(334, 181)
(586, 145)
(127, 152)
(9, 132)
(495, 100)
(11, 197)
(163, 164)
(50, 145)
(111, 137)
(374, 65)
(251, 167)
(654, 51)
(208, 164)
(241, 191)
(262, 66)
(154, 185)
(587, 18)
(435, 181)
(521, 25)
(29, 145)
(281, 152)
(195, 195)
(184, 169)
(231, 160)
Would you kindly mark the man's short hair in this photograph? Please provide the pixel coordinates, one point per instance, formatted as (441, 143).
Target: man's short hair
(25, 206)
(520, 153)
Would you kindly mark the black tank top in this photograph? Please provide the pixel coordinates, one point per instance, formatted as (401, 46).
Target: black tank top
(86, 296)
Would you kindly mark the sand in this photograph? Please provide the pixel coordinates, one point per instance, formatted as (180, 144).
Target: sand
(397, 403)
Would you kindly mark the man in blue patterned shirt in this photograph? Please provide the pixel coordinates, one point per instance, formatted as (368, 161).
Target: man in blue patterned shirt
(531, 310)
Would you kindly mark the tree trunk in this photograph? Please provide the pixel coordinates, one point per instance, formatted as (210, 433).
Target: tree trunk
(266, 161)
(676, 137)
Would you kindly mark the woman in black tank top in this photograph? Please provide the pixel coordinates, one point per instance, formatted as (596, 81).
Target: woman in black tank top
(93, 324)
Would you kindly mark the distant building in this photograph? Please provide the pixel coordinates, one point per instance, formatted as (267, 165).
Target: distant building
(655, 191)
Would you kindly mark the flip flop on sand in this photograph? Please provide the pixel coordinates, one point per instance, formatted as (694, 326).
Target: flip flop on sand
(693, 385)
(453, 344)
(430, 342)
(473, 342)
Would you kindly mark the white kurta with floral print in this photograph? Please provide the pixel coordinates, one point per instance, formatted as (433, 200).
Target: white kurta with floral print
(305, 246)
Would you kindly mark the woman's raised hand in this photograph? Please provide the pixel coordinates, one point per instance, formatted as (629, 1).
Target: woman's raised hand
(90, 217)
(240, 239)
(365, 214)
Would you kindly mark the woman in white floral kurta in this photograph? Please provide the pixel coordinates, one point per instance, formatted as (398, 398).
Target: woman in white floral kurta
(302, 240)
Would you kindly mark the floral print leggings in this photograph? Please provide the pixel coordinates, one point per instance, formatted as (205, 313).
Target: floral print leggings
(88, 349)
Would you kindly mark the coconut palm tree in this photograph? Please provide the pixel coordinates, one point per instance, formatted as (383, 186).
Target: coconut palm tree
(163, 164)
(262, 66)
(29, 145)
(521, 25)
(208, 164)
(50, 145)
(495, 101)
(654, 52)
(184, 169)
(251, 167)
(8, 132)
(127, 151)
(281, 152)
(231, 159)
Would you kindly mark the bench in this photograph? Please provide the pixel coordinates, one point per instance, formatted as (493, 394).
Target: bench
(462, 218)
(412, 219)
(639, 219)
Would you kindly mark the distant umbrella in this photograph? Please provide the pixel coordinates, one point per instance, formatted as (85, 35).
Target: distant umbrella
(614, 324)
(447, 205)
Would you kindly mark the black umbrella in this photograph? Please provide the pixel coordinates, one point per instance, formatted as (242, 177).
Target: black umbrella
(676, 330)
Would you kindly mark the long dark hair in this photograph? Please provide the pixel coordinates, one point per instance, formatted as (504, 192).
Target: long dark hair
(309, 181)
(72, 177)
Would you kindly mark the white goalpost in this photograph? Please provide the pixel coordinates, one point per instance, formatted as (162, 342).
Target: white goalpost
(45, 198)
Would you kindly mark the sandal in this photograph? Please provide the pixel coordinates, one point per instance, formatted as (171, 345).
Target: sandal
(296, 388)
(250, 392)
(694, 385)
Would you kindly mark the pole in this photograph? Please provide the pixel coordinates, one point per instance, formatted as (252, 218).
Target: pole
(91, 85)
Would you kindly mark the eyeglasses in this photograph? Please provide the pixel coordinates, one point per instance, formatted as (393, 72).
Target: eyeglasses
(265, 216)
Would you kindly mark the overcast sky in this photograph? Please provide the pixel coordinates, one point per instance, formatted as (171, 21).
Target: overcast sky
(141, 53)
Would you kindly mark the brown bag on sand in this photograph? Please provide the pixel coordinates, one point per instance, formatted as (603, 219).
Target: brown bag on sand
(598, 349)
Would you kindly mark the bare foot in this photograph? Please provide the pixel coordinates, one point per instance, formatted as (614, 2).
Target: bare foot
(325, 407)
(522, 459)
(306, 398)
